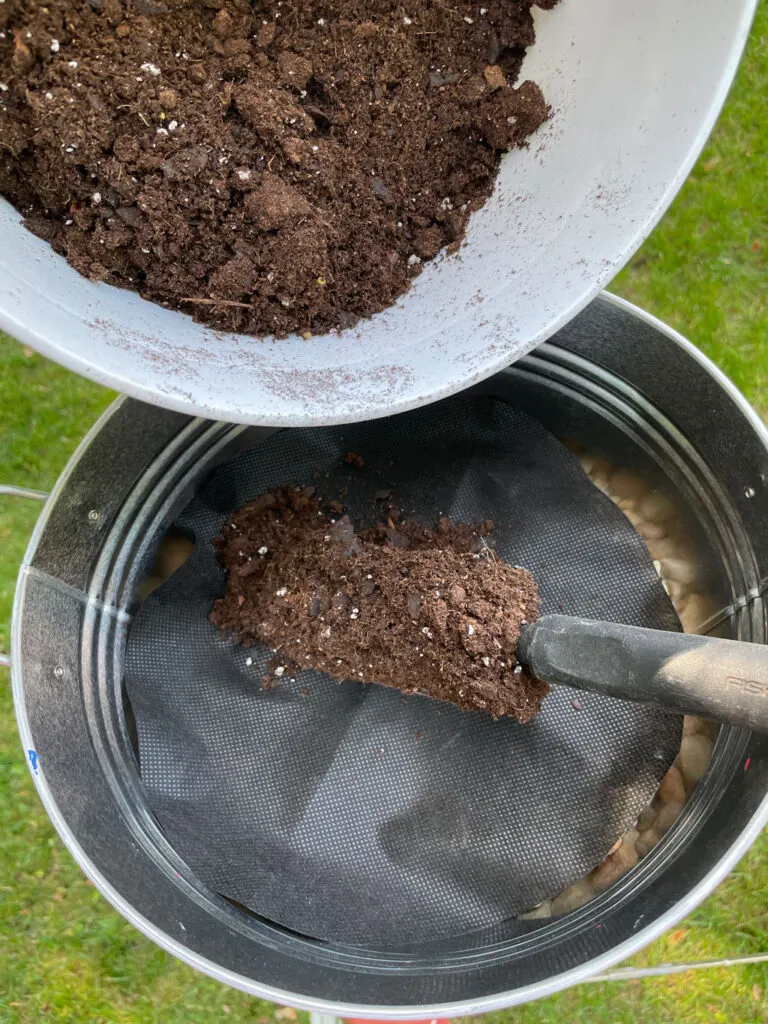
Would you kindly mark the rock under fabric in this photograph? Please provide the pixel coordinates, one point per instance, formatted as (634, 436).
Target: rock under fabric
(266, 167)
(424, 611)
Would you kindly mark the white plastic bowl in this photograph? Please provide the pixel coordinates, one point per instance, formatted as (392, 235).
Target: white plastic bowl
(636, 89)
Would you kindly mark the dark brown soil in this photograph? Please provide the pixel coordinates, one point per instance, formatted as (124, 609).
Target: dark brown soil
(424, 611)
(265, 166)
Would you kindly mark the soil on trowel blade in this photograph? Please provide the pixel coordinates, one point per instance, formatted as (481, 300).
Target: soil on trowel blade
(429, 611)
(268, 167)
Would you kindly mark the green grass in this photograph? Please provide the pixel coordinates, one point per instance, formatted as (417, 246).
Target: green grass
(65, 955)
(703, 270)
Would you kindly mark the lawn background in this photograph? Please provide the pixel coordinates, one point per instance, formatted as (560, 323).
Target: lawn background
(65, 955)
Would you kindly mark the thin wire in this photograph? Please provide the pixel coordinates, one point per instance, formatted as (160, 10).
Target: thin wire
(23, 492)
(718, 618)
(625, 974)
(629, 973)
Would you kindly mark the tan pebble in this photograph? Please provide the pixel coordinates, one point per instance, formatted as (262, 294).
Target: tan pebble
(633, 517)
(646, 819)
(679, 594)
(614, 867)
(626, 504)
(601, 483)
(494, 77)
(695, 752)
(630, 836)
(667, 547)
(692, 724)
(626, 855)
(667, 816)
(543, 910)
(657, 508)
(147, 585)
(628, 485)
(587, 462)
(651, 531)
(680, 570)
(601, 473)
(601, 466)
(173, 552)
(572, 898)
(646, 841)
(695, 612)
(672, 787)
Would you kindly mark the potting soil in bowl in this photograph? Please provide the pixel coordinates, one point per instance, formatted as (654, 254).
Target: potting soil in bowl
(268, 168)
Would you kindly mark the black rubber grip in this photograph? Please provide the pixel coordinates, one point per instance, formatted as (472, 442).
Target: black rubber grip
(725, 680)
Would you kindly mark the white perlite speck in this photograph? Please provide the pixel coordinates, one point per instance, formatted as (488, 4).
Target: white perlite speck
(71, 63)
(249, 661)
(470, 629)
(413, 260)
(263, 550)
(281, 591)
(486, 661)
(55, 46)
(279, 670)
(96, 197)
(151, 69)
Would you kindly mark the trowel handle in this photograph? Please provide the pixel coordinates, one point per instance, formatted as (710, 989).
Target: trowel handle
(725, 680)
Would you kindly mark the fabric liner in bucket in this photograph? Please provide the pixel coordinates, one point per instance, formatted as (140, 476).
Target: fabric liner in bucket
(350, 813)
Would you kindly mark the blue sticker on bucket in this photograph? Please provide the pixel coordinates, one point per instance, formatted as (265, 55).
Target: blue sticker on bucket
(33, 761)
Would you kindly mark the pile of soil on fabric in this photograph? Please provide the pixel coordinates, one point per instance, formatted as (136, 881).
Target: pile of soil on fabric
(421, 610)
(264, 165)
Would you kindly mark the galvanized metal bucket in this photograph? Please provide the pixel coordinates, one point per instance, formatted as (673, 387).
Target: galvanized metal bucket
(615, 382)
